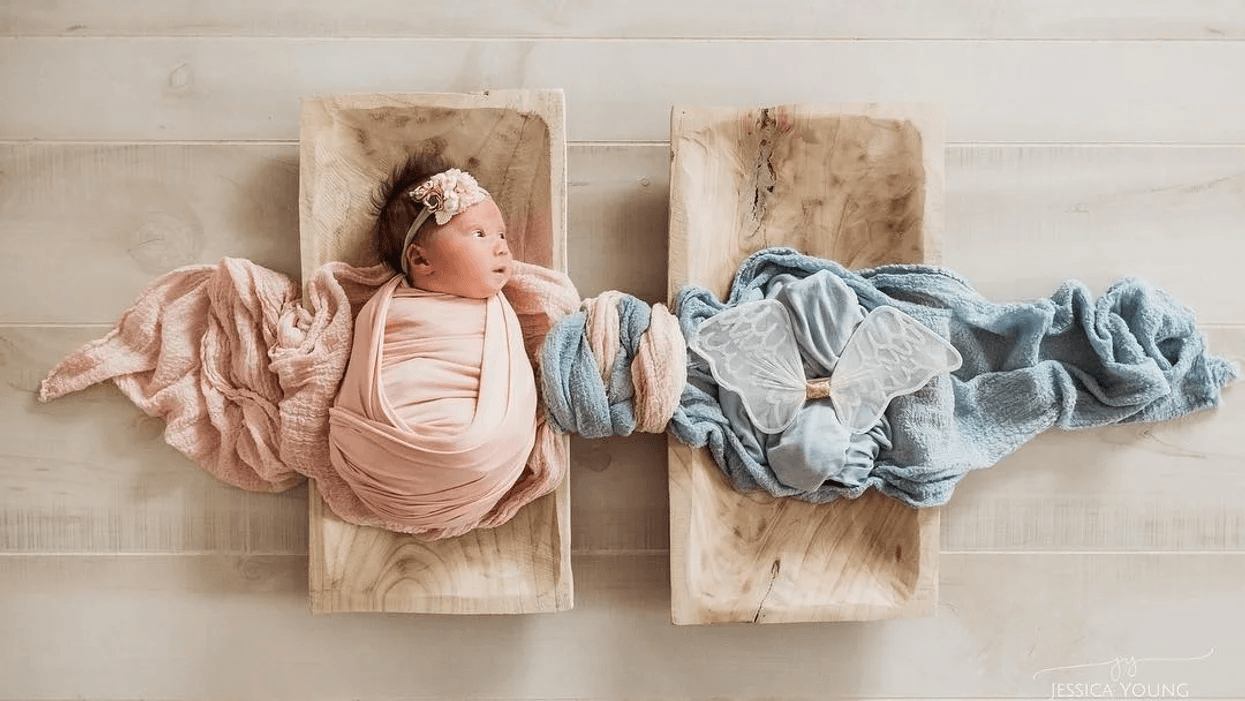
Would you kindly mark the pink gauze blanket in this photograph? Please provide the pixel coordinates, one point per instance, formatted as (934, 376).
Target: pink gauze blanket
(244, 375)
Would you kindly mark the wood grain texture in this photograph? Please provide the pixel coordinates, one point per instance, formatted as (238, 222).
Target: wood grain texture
(861, 184)
(522, 566)
(619, 205)
(91, 473)
(716, 19)
(110, 218)
(515, 145)
(249, 88)
(1098, 214)
(233, 627)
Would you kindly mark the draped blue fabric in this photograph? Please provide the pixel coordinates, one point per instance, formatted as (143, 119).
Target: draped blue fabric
(1072, 362)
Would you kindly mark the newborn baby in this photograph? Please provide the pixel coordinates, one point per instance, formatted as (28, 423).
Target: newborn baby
(436, 414)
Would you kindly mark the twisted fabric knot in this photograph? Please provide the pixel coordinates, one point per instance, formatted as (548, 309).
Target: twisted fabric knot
(615, 367)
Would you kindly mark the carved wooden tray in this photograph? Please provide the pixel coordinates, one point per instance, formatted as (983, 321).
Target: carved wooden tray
(515, 143)
(859, 184)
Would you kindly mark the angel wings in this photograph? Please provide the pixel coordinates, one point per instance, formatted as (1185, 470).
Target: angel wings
(752, 350)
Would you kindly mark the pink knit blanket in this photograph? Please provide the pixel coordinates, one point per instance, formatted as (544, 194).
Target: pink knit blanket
(244, 374)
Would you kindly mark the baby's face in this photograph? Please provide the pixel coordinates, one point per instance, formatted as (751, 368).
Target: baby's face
(467, 256)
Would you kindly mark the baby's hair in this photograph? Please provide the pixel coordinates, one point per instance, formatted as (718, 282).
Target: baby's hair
(396, 210)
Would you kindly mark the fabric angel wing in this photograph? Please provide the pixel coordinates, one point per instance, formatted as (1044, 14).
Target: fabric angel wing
(889, 355)
(752, 350)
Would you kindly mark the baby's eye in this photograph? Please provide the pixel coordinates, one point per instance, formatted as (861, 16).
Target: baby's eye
(478, 233)
(502, 235)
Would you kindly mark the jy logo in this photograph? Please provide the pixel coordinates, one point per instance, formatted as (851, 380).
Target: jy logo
(1122, 681)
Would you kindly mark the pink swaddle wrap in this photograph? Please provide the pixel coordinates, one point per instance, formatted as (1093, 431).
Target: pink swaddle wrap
(245, 376)
(436, 415)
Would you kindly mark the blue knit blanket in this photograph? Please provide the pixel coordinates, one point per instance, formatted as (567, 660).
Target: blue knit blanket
(1069, 361)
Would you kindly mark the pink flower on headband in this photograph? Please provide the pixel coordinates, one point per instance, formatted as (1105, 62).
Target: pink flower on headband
(447, 193)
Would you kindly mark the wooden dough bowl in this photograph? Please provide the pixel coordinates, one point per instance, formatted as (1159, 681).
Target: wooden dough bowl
(515, 144)
(859, 184)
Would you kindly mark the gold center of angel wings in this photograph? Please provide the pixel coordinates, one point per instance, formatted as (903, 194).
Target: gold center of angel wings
(817, 388)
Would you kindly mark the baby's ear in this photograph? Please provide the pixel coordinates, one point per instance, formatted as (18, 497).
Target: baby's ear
(416, 260)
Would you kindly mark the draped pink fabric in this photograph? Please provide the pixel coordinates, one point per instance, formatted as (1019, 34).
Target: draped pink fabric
(244, 373)
(436, 414)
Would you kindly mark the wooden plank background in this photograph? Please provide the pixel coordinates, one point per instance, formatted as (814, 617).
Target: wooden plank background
(1089, 139)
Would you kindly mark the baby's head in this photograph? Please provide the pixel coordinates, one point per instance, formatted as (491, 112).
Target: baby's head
(441, 229)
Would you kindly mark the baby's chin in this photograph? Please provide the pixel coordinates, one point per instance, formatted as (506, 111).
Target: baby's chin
(492, 283)
(501, 275)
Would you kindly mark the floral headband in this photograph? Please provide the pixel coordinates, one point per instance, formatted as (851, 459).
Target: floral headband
(445, 194)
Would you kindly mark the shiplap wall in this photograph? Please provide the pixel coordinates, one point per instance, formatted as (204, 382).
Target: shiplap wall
(1089, 139)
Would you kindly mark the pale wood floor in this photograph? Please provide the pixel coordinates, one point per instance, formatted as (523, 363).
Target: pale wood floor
(141, 136)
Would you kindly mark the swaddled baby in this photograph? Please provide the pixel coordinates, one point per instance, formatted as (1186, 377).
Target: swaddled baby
(436, 414)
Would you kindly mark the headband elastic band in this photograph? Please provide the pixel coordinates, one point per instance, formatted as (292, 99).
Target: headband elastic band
(420, 218)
